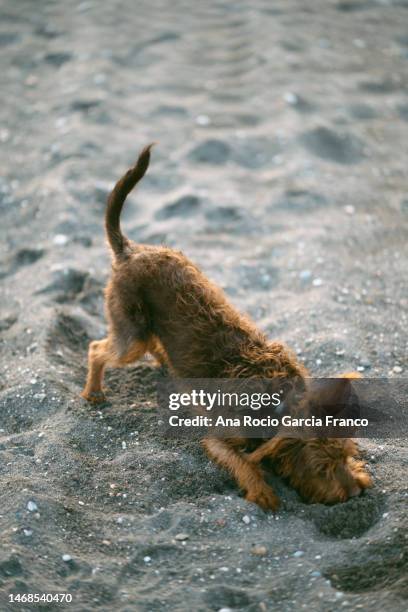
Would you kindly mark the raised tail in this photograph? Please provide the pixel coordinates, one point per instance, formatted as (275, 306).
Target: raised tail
(117, 198)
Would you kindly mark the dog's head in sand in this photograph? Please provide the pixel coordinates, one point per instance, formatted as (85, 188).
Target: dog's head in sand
(322, 470)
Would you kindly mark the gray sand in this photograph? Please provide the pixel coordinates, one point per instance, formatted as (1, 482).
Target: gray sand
(281, 169)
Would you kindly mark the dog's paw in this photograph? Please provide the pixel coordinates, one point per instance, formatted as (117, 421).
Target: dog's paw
(363, 479)
(94, 397)
(263, 497)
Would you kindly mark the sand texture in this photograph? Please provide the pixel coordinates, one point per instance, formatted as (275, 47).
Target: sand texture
(281, 170)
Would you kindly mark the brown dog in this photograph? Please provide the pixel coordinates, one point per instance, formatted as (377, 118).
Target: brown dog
(157, 301)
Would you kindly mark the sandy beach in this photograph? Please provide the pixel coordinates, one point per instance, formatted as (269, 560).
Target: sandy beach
(281, 169)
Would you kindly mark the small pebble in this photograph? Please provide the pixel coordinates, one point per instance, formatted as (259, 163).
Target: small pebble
(147, 559)
(124, 445)
(349, 210)
(317, 282)
(203, 120)
(4, 135)
(99, 78)
(291, 98)
(260, 551)
(397, 369)
(181, 536)
(40, 396)
(31, 80)
(28, 532)
(60, 239)
(298, 553)
(305, 275)
(32, 506)
(66, 558)
(246, 519)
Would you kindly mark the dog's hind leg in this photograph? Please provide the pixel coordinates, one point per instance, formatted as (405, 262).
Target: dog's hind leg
(155, 348)
(103, 354)
(127, 341)
(98, 356)
(248, 476)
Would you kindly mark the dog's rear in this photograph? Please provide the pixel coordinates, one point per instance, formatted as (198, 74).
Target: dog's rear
(127, 340)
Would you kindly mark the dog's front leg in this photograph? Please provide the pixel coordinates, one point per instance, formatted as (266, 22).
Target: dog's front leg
(267, 449)
(248, 476)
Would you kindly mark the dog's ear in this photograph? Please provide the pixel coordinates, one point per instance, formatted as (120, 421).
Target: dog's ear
(331, 395)
(351, 375)
(334, 392)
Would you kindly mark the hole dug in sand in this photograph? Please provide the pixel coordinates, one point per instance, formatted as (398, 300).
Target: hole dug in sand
(381, 564)
(350, 519)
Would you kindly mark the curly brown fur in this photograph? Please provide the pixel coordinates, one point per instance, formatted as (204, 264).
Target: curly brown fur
(157, 301)
(321, 470)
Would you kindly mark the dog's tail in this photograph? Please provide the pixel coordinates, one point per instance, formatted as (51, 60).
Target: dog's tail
(117, 198)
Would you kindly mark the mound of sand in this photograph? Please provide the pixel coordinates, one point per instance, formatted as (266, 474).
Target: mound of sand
(282, 171)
